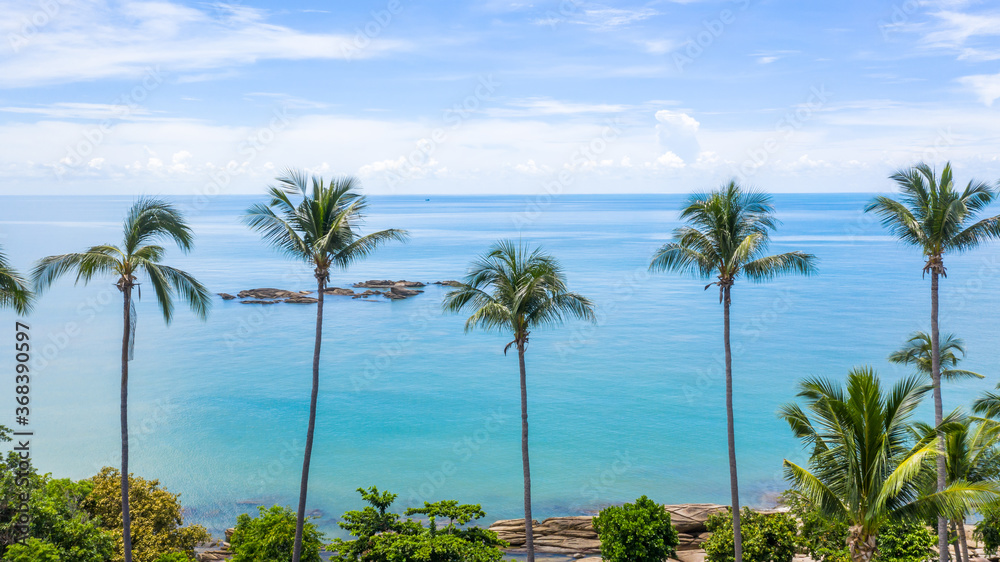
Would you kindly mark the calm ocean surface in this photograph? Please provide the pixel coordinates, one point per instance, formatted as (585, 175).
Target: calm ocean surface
(412, 404)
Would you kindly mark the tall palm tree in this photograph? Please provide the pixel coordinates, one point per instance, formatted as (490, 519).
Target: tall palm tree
(934, 216)
(972, 454)
(515, 289)
(14, 290)
(865, 469)
(727, 235)
(148, 223)
(322, 231)
(917, 352)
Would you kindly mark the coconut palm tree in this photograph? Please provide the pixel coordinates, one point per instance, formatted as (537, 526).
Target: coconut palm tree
(148, 223)
(917, 352)
(865, 468)
(934, 216)
(515, 289)
(972, 454)
(14, 290)
(322, 231)
(727, 235)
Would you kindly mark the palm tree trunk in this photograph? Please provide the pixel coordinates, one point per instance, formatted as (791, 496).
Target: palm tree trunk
(731, 433)
(529, 533)
(963, 540)
(862, 548)
(938, 412)
(126, 518)
(958, 553)
(304, 486)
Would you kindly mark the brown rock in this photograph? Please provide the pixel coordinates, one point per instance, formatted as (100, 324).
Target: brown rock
(450, 283)
(226, 296)
(302, 300)
(404, 283)
(267, 293)
(399, 292)
(687, 542)
(691, 555)
(338, 291)
(259, 302)
(690, 517)
(366, 294)
(375, 284)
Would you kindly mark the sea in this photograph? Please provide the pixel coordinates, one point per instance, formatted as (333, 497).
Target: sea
(412, 403)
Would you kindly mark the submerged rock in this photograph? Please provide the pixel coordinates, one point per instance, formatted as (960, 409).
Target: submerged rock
(258, 302)
(226, 296)
(450, 283)
(375, 284)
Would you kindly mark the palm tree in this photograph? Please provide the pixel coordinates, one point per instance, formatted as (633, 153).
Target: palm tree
(727, 235)
(917, 352)
(148, 223)
(935, 217)
(864, 467)
(515, 289)
(321, 230)
(972, 455)
(14, 291)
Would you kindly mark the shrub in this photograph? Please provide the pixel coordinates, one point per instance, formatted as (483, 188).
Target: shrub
(271, 536)
(33, 550)
(767, 537)
(904, 542)
(382, 536)
(173, 557)
(988, 530)
(157, 517)
(824, 539)
(639, 532)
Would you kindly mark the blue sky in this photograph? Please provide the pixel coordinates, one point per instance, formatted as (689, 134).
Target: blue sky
(567, 96)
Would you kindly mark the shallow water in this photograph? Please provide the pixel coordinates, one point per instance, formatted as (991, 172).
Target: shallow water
(412, 404)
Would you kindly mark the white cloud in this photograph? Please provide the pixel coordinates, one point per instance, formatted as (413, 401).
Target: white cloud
(68, 110)
(677, 132)
(125, 38)
(670, 160)
(545, 106)
(985, 86)
(658, 46)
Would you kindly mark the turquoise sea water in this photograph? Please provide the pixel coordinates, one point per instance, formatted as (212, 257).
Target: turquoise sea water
(412, 404)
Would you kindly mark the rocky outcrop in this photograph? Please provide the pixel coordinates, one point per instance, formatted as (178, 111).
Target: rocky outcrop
(397, 291)
(338, 291)
(366, 294)
(268, 293)
(449, 283)
(253, 301)
(302, 300)
(226, 296)
(690, 518)
(387, 283)
(215, 551)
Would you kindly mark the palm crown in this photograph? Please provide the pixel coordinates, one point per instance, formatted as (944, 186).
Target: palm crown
(149, 222)
(322, 228)
(513, 288)
(917, 352)
(727, 234)
(14, 291)
(931, 214)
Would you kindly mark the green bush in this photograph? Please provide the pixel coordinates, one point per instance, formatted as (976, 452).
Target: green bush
(904, 542)
(825, 540)
(33, 550)
(639, 532)
(173, 557)
(271, 536)
(767, 537)
(988, 530)
(381, 536)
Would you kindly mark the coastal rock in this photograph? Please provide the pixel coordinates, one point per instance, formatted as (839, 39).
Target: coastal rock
(338, 291)
(226, 296)
(365, 294)
(268, 293)
(691, 555)
(229, 533)
(375, 284)
(690, 518)
(449, 283)
(404, 283)
(259, 302)
(397, 292)
(560, 535)
(302, 300)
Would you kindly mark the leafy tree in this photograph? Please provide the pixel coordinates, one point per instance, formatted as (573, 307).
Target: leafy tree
(148, 223)
(727, 233)
(322, 231)
(825, 539)
(863, 468)
(173, 557)
(56, 517)
(767, 537)
(988, 529)
(934, 216)
(34, 550)
(271, 536)
(515, 289)
(14, 290)
(905, 542)
(639, 532)
(157, 525)
(381, 536)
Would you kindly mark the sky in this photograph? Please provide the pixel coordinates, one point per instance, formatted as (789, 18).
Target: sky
(489, 97)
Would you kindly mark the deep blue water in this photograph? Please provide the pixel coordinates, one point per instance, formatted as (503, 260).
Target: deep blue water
(412, 404)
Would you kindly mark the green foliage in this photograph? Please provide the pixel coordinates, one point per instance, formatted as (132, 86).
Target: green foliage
(381, 536)
(157, 517)
(56, 516)
(34, 550)
(988, 530)
(767, 537)
(639, 532)
(905, 542)
(271, 536)
(173, 557)
(823, 538)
